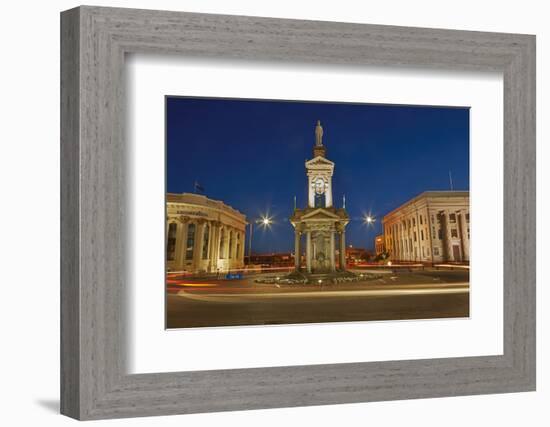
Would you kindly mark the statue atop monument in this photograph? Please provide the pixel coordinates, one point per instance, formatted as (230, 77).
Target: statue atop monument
(319, 134)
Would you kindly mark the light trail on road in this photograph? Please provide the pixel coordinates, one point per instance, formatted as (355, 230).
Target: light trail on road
(456, 288)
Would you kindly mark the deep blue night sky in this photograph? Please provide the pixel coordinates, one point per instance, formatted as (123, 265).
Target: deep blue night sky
(250, 154)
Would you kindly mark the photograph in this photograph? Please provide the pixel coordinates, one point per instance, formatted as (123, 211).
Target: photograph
(292, 212)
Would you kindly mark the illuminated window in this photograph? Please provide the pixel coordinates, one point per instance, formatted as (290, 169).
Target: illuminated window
(190, 246)
(171, 242)
(205, 240)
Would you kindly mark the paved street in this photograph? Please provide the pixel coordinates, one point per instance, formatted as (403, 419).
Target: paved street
(395, 295)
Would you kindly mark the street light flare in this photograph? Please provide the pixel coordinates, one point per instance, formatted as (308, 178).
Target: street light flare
(265, 221)
(369, 219)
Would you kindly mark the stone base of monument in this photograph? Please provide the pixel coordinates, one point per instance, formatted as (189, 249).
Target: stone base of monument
(329, 278)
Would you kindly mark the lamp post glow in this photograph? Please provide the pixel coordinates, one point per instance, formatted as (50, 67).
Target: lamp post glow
(264, 222)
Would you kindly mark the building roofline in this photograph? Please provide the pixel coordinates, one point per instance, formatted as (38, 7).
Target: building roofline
(222, 204)
(431, 193)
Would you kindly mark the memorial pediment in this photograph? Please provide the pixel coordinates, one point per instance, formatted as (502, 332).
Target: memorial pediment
(320, 213)
(319, 162)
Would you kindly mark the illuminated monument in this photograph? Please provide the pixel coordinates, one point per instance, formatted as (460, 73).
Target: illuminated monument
(320, 226)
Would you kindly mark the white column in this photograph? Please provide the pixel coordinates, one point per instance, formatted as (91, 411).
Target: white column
(448, 242)
(227, 242)
(209, 242)
(234, 248)
(178, 256)
(211, 237)
(342, 250)
(395, 243)
(430, 237)
(464, 236)
(213, 255)
(183, 243)
(332, 262)
(418, 240)
(197, 250)
(296, 249)
(308, 251)
(230, 240)
(223, 236)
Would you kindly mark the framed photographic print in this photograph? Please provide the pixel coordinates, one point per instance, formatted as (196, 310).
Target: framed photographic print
(263, 213)
(247, 252)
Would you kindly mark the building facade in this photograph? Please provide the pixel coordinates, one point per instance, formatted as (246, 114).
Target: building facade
(203, 235)
(320, 223)
(433, 227)
(379, 245)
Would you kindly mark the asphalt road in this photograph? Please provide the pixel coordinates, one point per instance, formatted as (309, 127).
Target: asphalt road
(394, 296)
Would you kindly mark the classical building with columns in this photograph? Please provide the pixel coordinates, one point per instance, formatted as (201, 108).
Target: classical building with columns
(203, 235)
(320, 226)
(433, 227)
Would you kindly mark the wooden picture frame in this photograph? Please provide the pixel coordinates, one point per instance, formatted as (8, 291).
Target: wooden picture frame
(94, 382)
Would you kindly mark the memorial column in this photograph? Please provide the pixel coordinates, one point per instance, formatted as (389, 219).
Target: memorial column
(332, 262)
(296, 249)
(342, 250)
(308, 251)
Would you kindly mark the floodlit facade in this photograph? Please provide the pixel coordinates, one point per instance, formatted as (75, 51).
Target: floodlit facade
(203, 235)
(433, 227)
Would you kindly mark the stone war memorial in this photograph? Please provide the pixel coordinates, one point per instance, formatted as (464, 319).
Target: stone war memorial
(320, 228)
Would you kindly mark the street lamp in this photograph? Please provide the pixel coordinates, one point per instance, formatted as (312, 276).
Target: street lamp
(265, 222)
(369, 219)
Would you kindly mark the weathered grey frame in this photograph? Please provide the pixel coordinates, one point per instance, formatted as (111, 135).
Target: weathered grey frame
(94, 41)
